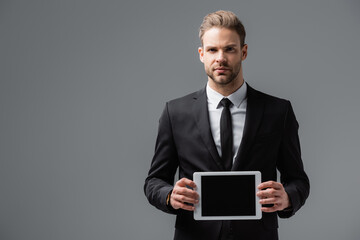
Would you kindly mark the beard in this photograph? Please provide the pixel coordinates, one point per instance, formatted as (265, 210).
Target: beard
(223, 78)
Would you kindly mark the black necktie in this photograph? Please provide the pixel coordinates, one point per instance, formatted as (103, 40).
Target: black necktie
(226, 135)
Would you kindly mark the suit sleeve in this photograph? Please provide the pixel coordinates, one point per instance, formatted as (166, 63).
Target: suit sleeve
(160, 180)
(290, 165)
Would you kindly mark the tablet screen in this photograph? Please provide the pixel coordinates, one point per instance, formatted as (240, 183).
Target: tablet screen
(228, 195)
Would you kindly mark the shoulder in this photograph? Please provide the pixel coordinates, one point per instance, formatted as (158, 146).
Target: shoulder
(274, 109)
(267, 99)
(189, 97)
(186, 101)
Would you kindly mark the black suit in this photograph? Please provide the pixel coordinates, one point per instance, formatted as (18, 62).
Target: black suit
(270, 140)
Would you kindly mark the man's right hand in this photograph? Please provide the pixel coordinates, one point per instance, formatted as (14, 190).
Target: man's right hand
(181, 195)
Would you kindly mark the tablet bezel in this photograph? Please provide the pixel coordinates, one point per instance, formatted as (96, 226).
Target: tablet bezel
(198, 209)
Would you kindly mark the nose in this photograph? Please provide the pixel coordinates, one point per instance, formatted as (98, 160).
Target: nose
(220, 58)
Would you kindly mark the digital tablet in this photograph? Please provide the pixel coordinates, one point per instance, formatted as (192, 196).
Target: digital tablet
(227, 195)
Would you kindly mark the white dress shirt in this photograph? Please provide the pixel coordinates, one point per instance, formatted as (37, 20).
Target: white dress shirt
(237, 110)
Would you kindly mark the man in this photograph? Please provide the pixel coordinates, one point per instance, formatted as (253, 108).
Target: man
(193, 136)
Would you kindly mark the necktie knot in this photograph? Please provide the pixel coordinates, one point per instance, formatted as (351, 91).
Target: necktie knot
(225, 102)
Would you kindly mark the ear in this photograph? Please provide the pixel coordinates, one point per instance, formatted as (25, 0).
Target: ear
(201, 54)
(244, 50)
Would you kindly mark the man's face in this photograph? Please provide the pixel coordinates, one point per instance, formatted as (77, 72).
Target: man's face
(222, 54)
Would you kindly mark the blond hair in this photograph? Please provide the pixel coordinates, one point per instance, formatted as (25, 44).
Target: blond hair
(222, 19)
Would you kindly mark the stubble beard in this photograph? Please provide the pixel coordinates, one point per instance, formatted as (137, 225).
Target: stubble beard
(223, 79)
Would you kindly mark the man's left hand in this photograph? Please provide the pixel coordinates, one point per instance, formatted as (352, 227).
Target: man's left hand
(273, 193)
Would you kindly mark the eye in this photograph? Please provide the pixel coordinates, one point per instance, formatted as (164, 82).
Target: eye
(230, 49)
(211, 50)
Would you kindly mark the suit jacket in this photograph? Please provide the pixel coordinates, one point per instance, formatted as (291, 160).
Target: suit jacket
(270, 141)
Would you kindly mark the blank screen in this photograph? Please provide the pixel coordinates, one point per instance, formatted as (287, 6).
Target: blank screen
(228, 195)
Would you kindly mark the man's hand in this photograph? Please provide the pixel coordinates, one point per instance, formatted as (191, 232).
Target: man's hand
(181, 195)
(273, 193)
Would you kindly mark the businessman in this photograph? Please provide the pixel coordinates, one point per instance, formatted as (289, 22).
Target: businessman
(227, 126)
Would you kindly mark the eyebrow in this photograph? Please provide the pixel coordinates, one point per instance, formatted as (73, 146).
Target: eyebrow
(229, 45)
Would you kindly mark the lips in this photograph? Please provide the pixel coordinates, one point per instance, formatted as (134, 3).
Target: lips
(221, 70)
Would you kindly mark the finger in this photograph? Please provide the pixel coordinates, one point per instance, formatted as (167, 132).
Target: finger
(278, 205)
(269, 209)
(268, 193)
(270, 184)
(269, 201)
(177, 205)
(184, 199)
(186, 182)
(187, 207)
(186, 192)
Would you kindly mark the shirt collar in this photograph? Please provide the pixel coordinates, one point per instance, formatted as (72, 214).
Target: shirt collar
(236, 97)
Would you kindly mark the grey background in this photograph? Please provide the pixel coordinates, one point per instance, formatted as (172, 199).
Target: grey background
(83, 83)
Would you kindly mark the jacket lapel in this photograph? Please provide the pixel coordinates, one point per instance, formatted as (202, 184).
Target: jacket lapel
(254, 112)
(201, 113)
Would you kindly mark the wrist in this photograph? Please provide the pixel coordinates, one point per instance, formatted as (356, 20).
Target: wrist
(168, 199)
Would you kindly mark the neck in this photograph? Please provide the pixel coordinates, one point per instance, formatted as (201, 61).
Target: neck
(227, 89)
